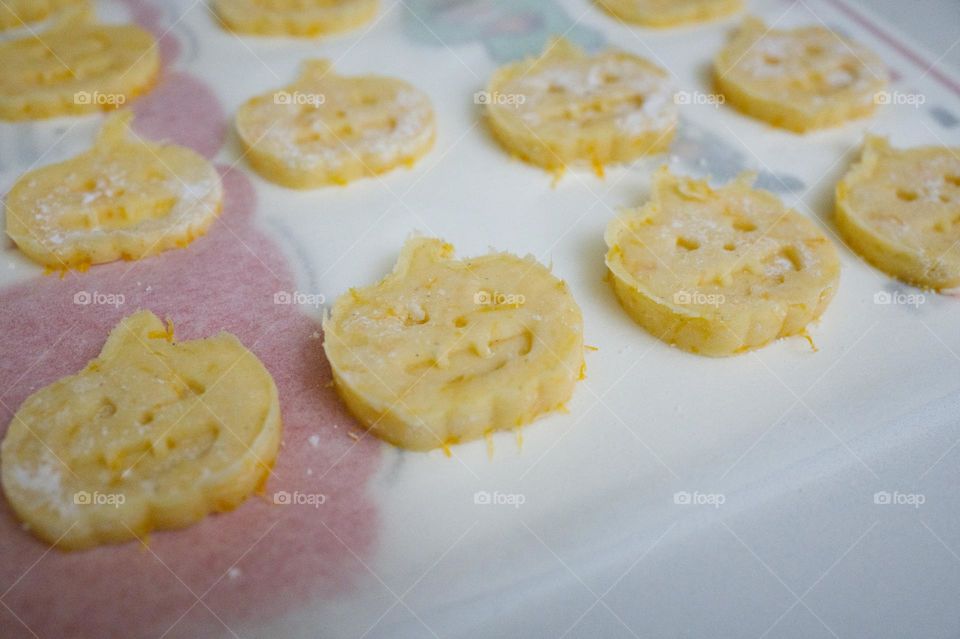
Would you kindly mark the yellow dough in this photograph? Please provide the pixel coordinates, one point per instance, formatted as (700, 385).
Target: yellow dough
(152, 434)
(900, 209)
(719, 272)
(16, 14)
(303, 18)
(75, 68)
(443, 351)
(123, 199)
(567, 107)
(669, 13)
(329, 129)
(798, 79)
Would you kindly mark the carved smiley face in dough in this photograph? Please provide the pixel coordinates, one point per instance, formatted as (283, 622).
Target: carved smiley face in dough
(719, 271)
(442, 350)
(900, 209)
(152, 434)
(567, 107)
(798, 79)
(329, 129)
(74, 68)
(125, 198)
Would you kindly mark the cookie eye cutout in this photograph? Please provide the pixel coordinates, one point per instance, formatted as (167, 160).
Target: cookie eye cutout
(669, 13)
(570, 108)
(75, 67)
(17, 14)
(719, 271)
(327, 129)
(443, 351)
(900, 210)
(798, 79)
(300, 18)
(125, 198)
(152, 434)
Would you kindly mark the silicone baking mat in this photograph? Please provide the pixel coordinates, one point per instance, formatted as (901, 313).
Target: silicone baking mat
(789, 492)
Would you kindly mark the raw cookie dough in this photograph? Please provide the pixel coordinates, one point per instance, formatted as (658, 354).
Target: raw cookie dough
(125, 198)
(304, 18)
(330, 129)
(798, 79)
(900, 209)
(670, 13)
(442, 351)
(17, 14)
(567, 107)
(719, 271)
(152, 434)
(75, 67)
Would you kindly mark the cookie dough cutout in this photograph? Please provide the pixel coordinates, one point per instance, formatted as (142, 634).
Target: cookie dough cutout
(17, 14)
(329, 129)
(443, 351)
(798, 79)
(302, 18)
(75, 67)
(567, 107)
(125, 198)
(152, 434)
(669, 13)
(900, 209)
(719, 272)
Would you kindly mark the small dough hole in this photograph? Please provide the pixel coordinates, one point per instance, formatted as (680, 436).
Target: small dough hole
(792, 255)
(107, 409)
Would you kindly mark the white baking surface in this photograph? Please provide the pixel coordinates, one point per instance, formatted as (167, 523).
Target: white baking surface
(794, 443)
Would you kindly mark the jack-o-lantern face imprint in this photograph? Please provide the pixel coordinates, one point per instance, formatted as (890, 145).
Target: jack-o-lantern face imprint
(152, 434)
(75, 67)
